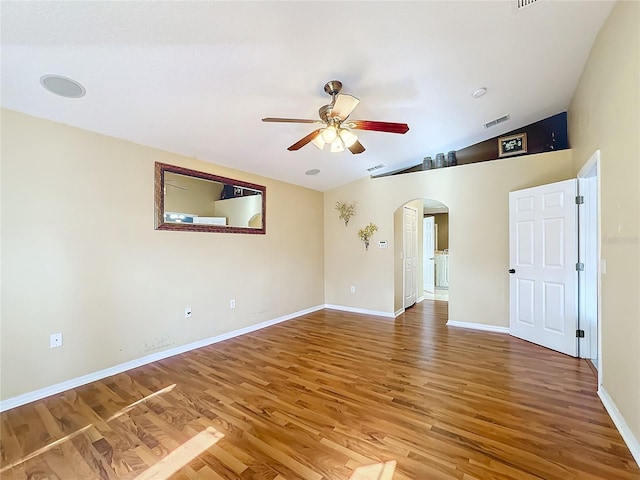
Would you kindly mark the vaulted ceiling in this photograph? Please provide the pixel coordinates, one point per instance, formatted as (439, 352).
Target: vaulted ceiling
(196, 78)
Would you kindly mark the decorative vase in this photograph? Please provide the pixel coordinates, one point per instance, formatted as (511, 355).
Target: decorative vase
(451, 159)
(440, 160)
(427, 163)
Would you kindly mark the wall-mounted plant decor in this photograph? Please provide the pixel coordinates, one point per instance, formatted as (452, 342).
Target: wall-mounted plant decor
(347, 210)
(366, 233)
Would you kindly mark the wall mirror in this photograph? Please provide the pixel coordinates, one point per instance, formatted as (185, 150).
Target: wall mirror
(201, 202)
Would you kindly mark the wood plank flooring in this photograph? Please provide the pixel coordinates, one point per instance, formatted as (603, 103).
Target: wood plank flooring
(331, 396)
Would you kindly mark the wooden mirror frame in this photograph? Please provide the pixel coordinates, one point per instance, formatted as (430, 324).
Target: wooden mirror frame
(160, 224)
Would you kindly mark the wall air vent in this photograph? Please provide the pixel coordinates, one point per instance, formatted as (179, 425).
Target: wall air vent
(377, 167)
(525, 3)
(495, 122)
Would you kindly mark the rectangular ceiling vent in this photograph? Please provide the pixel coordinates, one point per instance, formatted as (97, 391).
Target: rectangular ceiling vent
(495, 122)
(525, 3)
(377, 167)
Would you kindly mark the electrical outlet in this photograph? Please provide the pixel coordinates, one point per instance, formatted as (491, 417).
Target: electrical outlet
(55, 340)
(232, 304)
(187, 312)
(353, 289)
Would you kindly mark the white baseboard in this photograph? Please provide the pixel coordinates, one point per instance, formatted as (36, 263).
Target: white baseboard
(618, 420)
(420, 299)
(138, 362)
(398, 313)
(360, 310)
(478, 326)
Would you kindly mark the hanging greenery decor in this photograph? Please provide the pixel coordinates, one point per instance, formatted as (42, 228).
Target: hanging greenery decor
(347, 210)
(366, 233)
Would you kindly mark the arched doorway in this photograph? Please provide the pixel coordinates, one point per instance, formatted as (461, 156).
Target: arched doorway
(406, 289)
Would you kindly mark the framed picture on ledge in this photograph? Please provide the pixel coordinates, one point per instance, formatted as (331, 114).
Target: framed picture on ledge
(512, 145)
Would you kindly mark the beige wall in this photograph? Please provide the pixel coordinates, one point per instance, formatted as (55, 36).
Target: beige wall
(239, 210)
(196, 195)
(80, 256)
(604, 114)
(442, 220)
(475, 194)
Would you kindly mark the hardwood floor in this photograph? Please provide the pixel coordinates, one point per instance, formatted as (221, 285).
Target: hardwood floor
(330, 395)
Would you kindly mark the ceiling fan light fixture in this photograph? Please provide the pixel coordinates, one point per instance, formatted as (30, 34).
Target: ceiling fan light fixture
(319, 142)
(329, 134)
(347, 137)
(337, 146)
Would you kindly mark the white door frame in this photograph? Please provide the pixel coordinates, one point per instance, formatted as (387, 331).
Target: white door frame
(589, 241)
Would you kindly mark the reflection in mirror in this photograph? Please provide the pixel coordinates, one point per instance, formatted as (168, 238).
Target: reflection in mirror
(197, 201)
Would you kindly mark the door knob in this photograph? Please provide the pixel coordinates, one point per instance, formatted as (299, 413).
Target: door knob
(511, 270)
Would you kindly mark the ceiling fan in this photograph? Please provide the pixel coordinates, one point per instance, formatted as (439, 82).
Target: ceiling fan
(336, 126)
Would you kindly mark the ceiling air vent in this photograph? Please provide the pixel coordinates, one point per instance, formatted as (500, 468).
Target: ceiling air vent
(377, 167)
(525, 3)
(495, 122)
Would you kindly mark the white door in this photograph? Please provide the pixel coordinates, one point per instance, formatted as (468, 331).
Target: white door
(410, 237)
(543, 256)
(428, 255)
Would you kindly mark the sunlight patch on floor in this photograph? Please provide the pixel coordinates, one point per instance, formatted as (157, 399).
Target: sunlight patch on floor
(134, 404)
(182, 455)
(46, 448)
(377, 471)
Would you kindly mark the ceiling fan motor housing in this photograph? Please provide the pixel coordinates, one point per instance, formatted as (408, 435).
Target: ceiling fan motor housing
(333, 87)
(325, 114)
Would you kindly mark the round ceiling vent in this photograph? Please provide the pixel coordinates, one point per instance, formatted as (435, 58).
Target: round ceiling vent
(313, 171)
(63, 86)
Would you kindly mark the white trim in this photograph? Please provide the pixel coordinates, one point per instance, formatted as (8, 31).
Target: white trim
(587, 169)
(376, 313)
(398, 313)
(138, 362)
(618, 420)
(590, 169)
(478, 326)
(420, 299)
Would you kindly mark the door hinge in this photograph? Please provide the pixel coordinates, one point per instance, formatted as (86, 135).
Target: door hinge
(579, 199)
(580, 267)
(580, 333)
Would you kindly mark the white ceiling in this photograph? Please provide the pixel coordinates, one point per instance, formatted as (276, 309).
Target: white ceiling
(195, 78)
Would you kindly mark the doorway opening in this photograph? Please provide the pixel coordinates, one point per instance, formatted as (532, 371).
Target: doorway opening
(589, 255)
(411, 260)
(435, 250)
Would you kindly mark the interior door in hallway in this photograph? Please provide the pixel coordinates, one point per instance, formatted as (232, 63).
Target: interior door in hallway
(428, 252)
(543, 254)
(410, 238)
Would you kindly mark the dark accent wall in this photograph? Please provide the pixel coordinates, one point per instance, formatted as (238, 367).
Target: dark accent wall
(544, 136)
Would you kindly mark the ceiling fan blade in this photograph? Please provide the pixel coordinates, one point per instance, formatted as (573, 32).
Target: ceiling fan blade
(303, 141)
(356, 148)
(389, 127)
(344, 106)
(290, 120)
